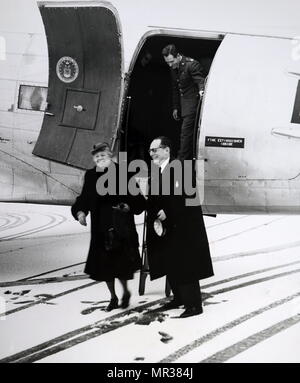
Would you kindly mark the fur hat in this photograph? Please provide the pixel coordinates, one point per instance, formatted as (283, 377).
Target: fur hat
(100, 147)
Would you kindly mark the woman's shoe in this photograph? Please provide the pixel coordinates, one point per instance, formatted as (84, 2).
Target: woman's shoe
(125, 300)
(113, 304)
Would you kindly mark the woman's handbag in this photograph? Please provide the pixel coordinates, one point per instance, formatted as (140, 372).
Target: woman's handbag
(112, 240)
(117, 236)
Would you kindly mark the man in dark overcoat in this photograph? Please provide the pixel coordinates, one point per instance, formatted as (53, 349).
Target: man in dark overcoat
(179, 248)
(187, 90)
(114, 245)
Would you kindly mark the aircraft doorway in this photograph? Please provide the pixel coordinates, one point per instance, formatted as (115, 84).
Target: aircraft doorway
(150, 110)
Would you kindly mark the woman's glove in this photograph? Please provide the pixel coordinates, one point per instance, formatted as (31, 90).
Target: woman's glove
(82, 218)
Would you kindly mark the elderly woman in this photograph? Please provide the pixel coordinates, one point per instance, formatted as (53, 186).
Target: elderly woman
(114, 246)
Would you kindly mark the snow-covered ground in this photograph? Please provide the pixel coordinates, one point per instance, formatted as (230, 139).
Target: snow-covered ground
(51, 312)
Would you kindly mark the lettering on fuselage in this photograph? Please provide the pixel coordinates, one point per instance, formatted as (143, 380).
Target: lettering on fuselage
(225, 142)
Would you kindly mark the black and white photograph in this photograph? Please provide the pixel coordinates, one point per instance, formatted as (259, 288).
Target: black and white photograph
(150, 184)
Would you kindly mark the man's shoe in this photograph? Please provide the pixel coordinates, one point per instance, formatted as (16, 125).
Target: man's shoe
(113, 304)
(173, 304)
(191, 311)
(125, 300)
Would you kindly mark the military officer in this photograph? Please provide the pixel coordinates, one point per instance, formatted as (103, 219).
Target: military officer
(187, 90)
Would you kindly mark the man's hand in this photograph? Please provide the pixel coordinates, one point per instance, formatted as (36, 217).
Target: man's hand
(175, 115)
(81, 218)
(161, 215)
(201, 93)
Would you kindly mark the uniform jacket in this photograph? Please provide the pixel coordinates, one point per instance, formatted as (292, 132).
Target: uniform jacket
(183, 252)
(187, 81)
(102, 265)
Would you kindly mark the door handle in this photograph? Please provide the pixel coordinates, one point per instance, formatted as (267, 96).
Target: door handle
(79, 108)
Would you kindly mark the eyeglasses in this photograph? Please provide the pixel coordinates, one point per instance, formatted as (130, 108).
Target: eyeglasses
(154, 150)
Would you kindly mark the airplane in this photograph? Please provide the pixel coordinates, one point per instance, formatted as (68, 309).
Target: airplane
(74, 73)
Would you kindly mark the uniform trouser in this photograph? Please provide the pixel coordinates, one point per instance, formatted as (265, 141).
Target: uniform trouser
(186, 137)
(189, 294)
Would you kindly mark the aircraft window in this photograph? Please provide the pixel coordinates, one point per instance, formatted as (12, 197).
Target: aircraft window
(32, 97)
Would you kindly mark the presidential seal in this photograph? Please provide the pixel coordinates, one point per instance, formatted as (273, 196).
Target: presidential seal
(67, 69)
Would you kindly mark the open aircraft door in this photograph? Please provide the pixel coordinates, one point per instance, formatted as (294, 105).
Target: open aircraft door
(85, 80)
(250, 126)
